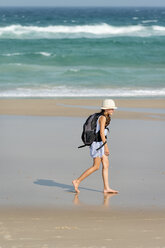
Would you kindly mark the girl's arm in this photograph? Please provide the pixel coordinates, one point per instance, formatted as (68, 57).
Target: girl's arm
(102, 122)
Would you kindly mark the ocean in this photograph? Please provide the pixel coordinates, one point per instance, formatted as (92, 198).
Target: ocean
(82, 52)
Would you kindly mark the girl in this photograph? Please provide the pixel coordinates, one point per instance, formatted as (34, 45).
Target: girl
(101, 155)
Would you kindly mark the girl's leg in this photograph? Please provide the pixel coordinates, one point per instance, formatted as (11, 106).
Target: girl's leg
(96, 165)
(105, 163)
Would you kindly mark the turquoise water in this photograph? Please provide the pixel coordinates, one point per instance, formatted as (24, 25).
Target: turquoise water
(82, 52)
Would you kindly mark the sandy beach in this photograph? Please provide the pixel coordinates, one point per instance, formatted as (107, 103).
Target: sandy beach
(39, 159)
(128, 109)
(58, 61)
(88, 228)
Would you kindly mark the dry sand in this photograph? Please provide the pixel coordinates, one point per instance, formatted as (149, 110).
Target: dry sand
(58, 107)
(81, 228)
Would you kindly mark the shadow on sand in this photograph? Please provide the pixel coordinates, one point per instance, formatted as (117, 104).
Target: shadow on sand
(67, 187)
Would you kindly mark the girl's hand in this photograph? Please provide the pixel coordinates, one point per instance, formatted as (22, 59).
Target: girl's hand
(106, 151)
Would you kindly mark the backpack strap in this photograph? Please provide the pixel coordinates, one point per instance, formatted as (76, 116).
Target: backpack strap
(81, 146)
(101, 146)
(97, 148)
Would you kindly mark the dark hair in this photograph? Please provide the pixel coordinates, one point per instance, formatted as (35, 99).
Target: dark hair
(108, 117)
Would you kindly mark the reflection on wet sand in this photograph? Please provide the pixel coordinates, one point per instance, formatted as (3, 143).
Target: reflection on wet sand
(106, 200)
(107, 197)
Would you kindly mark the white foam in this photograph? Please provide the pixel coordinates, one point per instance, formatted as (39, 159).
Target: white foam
(44, 54)
(159, 28)
(74, 70)
(12, 54)
(19, 54)
(149, 21)
(79, 31)
(63, 91)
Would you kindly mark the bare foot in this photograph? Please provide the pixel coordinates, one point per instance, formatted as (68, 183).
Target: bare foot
(111, 191)
(76, 184)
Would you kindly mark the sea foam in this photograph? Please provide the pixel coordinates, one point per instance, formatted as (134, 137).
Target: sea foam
(11, 54)
(44, 54)
(149, 21)
(64, 91)
(79, 31)
(25, 54)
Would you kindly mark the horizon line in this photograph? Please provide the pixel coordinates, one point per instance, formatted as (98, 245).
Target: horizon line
(98, 6)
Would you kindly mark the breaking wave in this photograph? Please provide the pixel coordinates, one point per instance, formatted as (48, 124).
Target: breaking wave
(79, 31)
(22, 54)
(64, 91)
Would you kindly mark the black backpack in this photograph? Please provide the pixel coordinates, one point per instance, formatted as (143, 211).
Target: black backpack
(89, 134)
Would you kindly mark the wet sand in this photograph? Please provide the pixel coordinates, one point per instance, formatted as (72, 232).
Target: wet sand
(39, 159)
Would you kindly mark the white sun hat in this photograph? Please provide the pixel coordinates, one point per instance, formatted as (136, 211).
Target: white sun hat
(108, 104)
